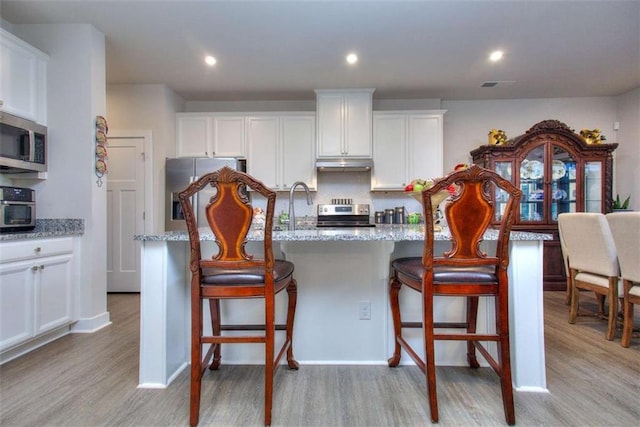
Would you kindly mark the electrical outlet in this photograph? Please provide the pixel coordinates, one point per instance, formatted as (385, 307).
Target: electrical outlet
(364, 309)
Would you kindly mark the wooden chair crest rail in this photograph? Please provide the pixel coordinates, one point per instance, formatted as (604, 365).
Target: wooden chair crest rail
(232, 273)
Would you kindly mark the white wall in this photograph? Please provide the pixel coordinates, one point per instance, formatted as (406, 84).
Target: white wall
(245, 106)
(148, 107)
(75, 96)
(627, 156)
(467, 123)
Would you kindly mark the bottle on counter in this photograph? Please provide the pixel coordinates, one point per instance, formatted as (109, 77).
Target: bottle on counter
(398, 217)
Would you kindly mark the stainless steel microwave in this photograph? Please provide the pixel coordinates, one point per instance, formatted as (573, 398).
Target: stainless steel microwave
(23, 145)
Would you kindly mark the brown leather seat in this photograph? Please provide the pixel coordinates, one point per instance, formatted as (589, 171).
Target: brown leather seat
(463, 271)
(232, 273)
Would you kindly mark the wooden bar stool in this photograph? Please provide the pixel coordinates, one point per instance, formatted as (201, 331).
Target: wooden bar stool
(463, 271)
(234, 274)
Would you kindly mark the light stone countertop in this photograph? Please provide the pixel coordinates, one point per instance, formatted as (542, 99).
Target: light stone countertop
(48, 228)
(395, 233)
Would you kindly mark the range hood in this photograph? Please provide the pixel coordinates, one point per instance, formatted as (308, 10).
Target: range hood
(344, 165)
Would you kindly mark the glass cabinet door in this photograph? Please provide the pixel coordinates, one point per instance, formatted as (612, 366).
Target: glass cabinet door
(504, 169)
(593, 186)
(532, 185)
(563, 183)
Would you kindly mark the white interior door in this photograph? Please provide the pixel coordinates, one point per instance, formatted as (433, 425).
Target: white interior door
(125, 212)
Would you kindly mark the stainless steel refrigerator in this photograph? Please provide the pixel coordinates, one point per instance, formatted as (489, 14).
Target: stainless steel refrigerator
(181, 172)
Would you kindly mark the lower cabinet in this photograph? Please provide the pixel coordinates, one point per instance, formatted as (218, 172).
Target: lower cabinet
(17, 308)
(36, 289)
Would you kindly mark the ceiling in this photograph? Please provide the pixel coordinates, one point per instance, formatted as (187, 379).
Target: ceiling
(282, 50)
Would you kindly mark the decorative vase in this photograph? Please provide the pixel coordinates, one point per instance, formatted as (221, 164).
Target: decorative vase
(497, 137)
(436, 199)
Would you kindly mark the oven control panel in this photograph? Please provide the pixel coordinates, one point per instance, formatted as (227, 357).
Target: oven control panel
(337, 209)
(17, 194)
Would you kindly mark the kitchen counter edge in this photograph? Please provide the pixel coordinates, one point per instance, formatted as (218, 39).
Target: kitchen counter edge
(395, 233)
(46, 228)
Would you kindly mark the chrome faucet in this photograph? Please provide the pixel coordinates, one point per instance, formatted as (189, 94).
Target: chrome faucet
(292, 214)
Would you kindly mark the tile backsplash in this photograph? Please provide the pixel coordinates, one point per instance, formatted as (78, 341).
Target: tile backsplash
(347, 185)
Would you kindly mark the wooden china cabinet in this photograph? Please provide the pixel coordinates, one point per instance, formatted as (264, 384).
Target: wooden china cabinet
(558, 172)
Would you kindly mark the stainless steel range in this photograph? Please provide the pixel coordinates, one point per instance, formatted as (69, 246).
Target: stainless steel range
(344, 214)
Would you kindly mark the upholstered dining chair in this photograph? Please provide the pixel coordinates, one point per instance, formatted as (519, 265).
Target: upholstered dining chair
(232, 273)
(625, 228)
(465, 270)
(567, 271)
(593, 261)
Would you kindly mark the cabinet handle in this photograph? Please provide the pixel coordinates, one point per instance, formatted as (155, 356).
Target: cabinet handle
(37, 250)
(34, 268)
(42, 267)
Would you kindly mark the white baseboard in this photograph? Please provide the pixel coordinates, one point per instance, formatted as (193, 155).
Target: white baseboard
(89, 325)
(34, 343)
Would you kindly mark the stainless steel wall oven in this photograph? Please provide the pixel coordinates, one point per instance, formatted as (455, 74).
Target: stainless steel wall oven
(17, 209)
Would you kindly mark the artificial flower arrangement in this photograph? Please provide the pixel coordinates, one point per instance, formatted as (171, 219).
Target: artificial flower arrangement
(418, 185)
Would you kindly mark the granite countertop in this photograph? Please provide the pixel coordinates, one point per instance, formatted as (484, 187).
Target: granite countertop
(395, 233)
(48, 228)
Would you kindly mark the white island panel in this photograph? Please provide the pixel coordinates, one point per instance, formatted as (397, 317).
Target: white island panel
(334, 278)
(336, 270)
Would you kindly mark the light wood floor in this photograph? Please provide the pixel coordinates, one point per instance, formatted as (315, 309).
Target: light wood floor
(90, 380)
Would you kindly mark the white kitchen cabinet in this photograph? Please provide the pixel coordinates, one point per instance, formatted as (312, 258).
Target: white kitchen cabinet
(37, 288)
(281, 149)
(406, 145)
(23, 79)
(193, 135)
(263, 149)
(53, 290)
(17, 310)
(228, 135)
(344, 123)
(210, 135)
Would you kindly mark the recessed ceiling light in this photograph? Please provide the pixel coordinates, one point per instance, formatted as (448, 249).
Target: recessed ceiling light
(210, 60)
(496, 55)
(352, 58)
(498, 83)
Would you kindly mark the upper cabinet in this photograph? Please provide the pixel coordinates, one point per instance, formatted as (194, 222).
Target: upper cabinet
(228, 135)
(281, 149)
(406, 145)
(23, 79)
(193, 135)
(344, 123)
(557, 171)
(210, 135)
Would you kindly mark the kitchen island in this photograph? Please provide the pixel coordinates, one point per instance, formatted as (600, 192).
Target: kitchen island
(343, 314)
